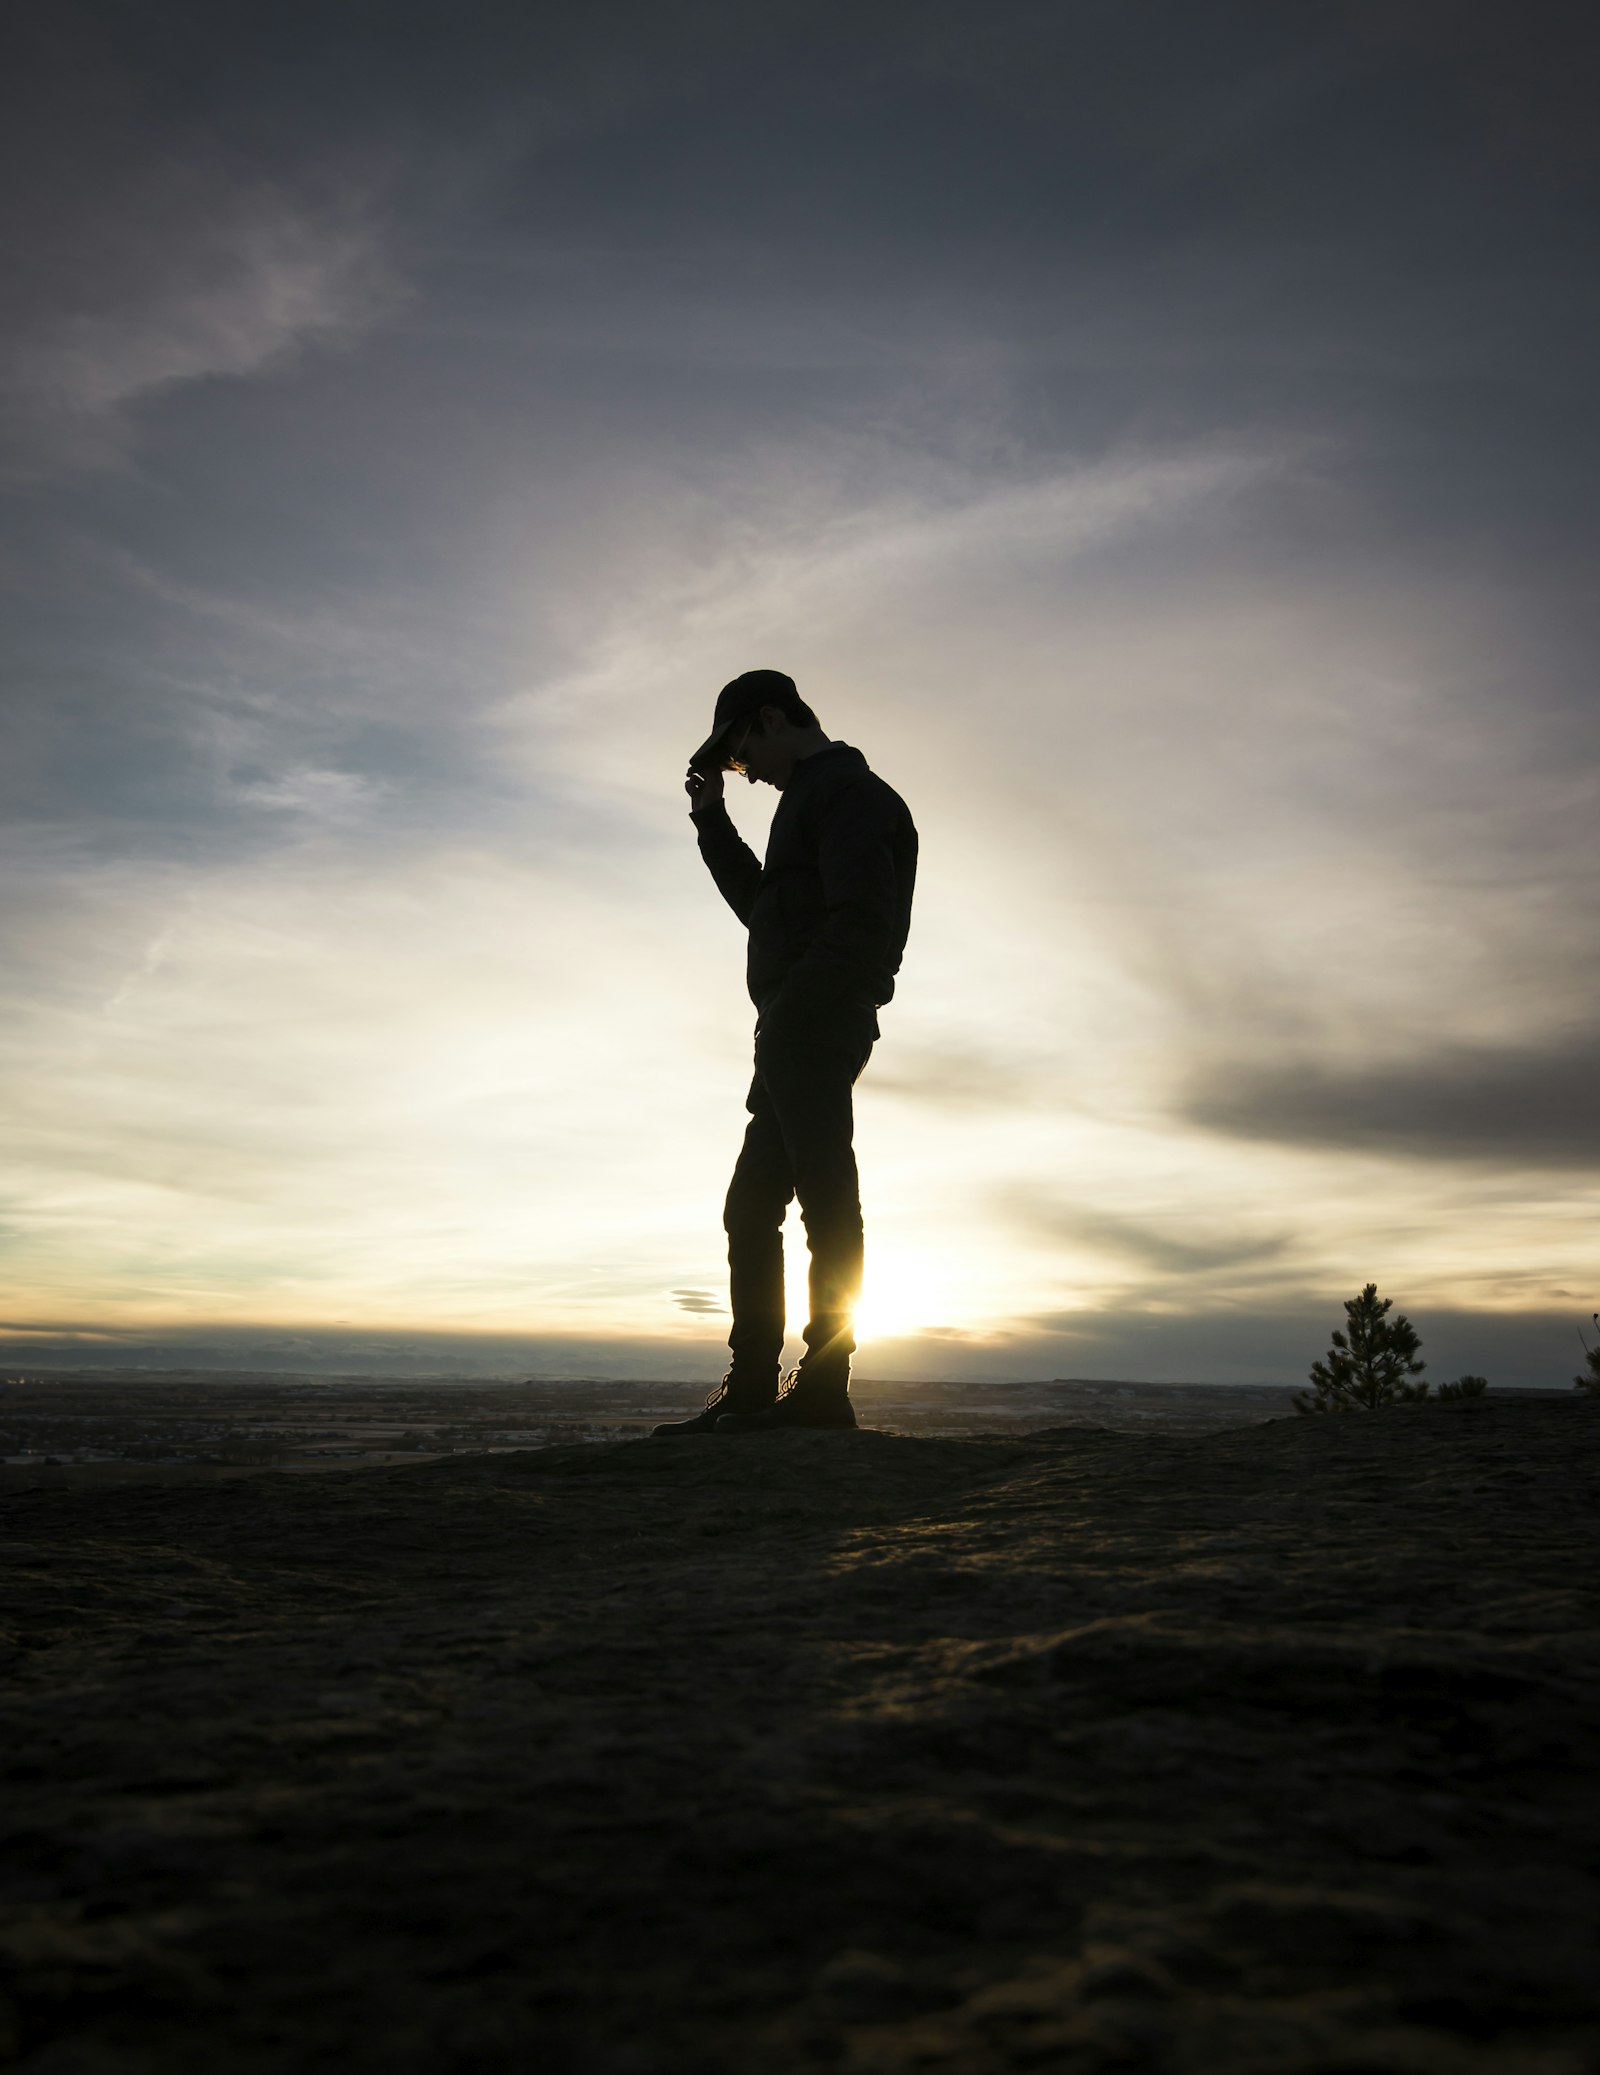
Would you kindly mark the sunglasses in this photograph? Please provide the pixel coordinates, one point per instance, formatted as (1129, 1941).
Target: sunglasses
(733, 760)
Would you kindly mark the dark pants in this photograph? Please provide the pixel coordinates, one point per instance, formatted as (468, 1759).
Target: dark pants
(799, 1142)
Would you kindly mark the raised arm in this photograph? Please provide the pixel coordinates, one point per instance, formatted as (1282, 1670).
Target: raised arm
(730, 860)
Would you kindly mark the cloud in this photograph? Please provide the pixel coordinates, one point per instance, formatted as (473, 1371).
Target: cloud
(835, 553)
(1148, 1246)
(1524, 1106)
(963, 1076)
(308, 793)
(705, 1302)
(142, 262)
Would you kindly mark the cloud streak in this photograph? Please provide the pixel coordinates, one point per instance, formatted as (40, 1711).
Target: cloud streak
(1144, 1247)
(1528, 1106)
(206, 285)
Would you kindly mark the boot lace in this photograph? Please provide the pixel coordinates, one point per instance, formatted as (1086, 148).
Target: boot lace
(723, 1393)
(720, 1393)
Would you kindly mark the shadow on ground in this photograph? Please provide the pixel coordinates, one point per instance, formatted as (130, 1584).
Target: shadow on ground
(1265, 1750)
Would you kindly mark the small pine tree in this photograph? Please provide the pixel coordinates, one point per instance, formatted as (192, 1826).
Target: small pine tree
(1591, 1356)
(1369, 1366)
(1465, 1387)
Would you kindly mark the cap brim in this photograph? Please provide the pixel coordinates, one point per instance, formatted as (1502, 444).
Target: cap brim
(712, 753)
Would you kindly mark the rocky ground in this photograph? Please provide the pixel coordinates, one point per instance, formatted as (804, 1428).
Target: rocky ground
(1266, 1749)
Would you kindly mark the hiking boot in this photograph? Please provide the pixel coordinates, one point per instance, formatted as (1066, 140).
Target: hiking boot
(820, 1398)
(734, 1393)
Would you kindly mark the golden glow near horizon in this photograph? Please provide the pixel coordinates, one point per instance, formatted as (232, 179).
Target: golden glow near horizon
(376, 1081)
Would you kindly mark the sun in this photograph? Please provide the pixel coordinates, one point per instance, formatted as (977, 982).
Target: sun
(902, 1294)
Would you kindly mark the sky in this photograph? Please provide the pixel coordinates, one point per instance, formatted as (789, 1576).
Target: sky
(1161, 438)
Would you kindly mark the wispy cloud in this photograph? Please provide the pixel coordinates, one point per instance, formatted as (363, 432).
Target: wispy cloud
(818, 535)
(953, 1076)
(176, 278)
(1170, 1247)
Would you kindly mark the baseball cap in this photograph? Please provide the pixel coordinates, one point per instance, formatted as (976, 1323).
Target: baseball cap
(736, 702)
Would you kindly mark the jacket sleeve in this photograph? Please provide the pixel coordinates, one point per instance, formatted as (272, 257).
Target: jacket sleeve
(852, 950)
(730, 860)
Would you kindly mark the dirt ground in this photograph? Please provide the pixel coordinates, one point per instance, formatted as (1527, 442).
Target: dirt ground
(1263, 1750)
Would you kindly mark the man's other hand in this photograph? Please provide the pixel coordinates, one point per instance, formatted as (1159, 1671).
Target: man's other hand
(704, 789)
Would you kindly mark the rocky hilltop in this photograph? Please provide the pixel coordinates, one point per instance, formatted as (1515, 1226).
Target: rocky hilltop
(1265, 1749)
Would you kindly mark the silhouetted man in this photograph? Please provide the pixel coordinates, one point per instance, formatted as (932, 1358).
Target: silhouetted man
(827, 915)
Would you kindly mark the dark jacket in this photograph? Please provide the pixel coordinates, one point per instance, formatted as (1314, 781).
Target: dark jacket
(829, 911)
